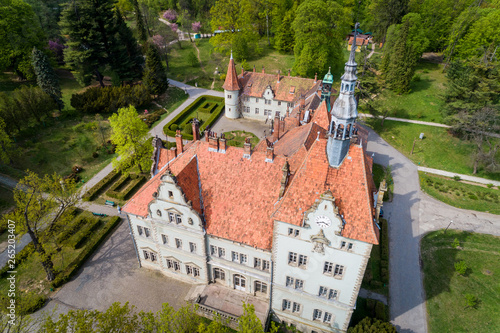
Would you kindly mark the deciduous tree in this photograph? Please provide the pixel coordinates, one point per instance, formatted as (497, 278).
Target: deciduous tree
(130, 135)
(5, 144)
(381, 14)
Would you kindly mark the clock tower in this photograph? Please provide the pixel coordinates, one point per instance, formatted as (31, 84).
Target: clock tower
(344, 112)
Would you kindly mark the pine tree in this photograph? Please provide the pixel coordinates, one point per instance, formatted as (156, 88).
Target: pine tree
(155, 77)
(130, 60)
(46, 78)
(141, 29)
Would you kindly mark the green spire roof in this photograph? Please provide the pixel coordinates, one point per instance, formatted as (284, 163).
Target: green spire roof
(328, 77)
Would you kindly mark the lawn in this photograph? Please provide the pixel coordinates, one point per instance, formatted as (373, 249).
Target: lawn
(237, 138)
(424, 101)
(460, 194)
(446, 289)
(379, 173)
(438, 149)
(6, 198)
(181, 68)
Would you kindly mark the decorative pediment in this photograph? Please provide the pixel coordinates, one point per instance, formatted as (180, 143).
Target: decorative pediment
(173, 210)
(268, 93)
(148, 249)
(319, 241)
(168, 177)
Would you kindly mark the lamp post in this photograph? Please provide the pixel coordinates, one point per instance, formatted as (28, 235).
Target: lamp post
(448, 226)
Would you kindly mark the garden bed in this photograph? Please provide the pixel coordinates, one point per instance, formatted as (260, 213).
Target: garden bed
(206, 109)
(237, 138)
(376, 276)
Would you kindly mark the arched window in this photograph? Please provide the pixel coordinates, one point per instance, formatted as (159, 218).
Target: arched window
(239, 282)
(219, 274)
(260, 287)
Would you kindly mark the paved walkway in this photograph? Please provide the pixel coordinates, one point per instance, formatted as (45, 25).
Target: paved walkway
(365, 293)
(463, 177)
(411, 215)
(367, 115)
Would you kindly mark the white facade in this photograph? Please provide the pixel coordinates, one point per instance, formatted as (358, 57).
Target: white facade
(265, 107)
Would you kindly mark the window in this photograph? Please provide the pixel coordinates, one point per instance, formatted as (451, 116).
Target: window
(339, 271)
(164, 239)
(292, 258)
(256, 100)
(158, 212)
(139, 230)
(327, 269)
(190, 270)
(170, 195)
(171, 217)
(178, 218)
(257, 263)
(342, 245)
(260, 287)
(217, 251)
(267, 112)
(328, 317)
(235, 256)
(219, 274)
(286, 304)
(192, 247)
(153, 256)
(173, 265)
(256, 110)
(296, 307)
(243, 258)
(293, 232)
(247, 109)
(322, 291)
(265, 265)
(289, 105)
(299, 284)
(146, 254)
(333, 294)
(289, 281)
(267, 101)
(196, 271)
(247, 98)
(317, 314)
(279, 103)
(277, 114)
(222, 252)
(349, 247)
(229, 96)
(302, 260)
(147, 232)
(178, 243)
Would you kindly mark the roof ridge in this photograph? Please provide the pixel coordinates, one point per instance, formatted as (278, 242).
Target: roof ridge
(367, 189)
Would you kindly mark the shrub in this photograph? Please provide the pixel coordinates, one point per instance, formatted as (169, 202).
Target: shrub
(456, 178)
(461, 267)
(455, 244)
(472, 197)
(92, 193)
(20, 258)
(372, 325)
(86, 233)
(490, 185)
(110, 99)
(72, 229)
(188, 130)
(26, 303)
(116, 192)
(380, 311)
(470, 301)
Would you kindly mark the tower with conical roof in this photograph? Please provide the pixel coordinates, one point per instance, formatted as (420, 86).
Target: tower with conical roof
(231, 91)
(344, 112)
(326, 89)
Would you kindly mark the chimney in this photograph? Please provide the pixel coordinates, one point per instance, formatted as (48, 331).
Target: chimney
(263, 70)
(196, 129)
(288, 73)
(302, 102)
(254, 68)
(174, 150)
(276, 127)
(284, 178)
(278, 76)
(222, 144)
(213, 142)
(247, 148)
(315, 77)
(178, 140)
(270, 152)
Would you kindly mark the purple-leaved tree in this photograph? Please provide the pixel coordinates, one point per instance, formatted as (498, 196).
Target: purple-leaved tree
(170, 15)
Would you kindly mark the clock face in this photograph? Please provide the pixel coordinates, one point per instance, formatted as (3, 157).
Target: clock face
(326, 87)
(323, 221)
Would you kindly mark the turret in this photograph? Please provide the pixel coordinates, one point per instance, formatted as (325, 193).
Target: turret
(344, 112)
(231, 91)
(326, 89)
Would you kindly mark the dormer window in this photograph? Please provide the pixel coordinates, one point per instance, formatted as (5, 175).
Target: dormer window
(178, 218)
(170, 194)
(171, 217)
(292, 90)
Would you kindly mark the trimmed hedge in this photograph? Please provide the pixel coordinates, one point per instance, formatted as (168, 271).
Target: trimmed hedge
(26, 303)
(73, 229)
(84, 235)
(384, 251)
(20, 258)
(92, 193)
(75, 265)
(115, 191)
(180, 119)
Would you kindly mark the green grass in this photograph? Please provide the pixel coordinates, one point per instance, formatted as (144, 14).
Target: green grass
(461, 195)
(438, 149)
(424, 101)
(379, 173)
(6, 198)
(237, 138)
(446, 290)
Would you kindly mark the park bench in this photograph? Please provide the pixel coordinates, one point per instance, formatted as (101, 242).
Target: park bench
(109, 203)
(99, 214)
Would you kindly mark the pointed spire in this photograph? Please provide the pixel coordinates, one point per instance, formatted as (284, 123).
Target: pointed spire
(231, 83)
(353, 46)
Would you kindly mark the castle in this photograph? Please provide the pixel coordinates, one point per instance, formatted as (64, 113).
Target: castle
(288, 225)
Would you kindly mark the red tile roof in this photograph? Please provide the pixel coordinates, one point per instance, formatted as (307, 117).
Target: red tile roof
(240, 195)
(231, 82)
(321, 116)
(254, 84)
